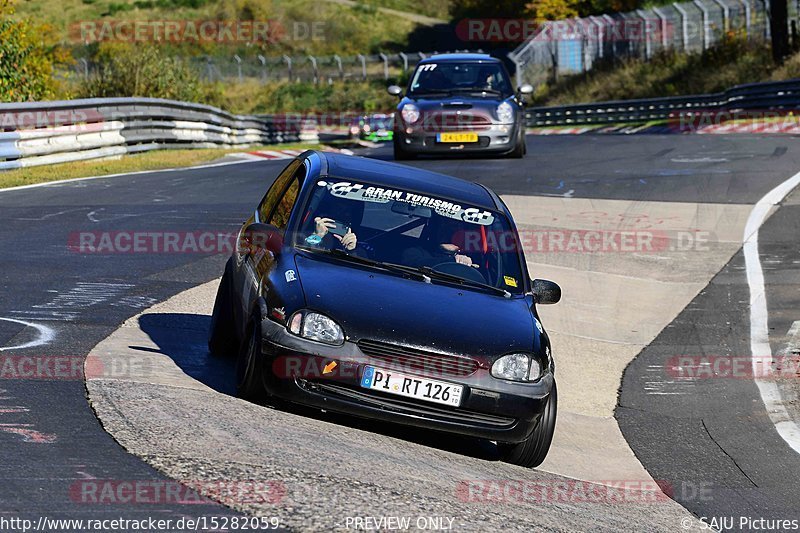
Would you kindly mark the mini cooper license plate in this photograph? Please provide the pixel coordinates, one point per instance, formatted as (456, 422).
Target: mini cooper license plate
(428, 390)
(461, 137)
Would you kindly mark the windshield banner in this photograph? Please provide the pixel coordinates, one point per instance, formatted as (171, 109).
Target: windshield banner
(370, 193)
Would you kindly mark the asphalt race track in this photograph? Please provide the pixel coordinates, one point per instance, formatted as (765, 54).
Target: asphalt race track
(713, 437)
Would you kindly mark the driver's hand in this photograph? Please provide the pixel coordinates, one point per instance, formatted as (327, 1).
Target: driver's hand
(323, 225)
(349, 241)
(464, 260)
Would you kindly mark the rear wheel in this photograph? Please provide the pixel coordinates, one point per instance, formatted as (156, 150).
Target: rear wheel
(222, 340)
(248, 365)
(531, 452)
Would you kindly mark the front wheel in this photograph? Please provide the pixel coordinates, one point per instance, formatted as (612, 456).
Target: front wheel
(248, 365)
(222, 339)
(399, 153)
(532, 451)
(520, 149)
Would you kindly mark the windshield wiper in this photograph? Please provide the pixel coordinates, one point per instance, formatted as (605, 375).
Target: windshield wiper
(475, 90)
(341, 254)
(464, 281)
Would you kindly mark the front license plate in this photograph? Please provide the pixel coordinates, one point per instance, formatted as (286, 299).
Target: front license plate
(428, 390)
(457, 137)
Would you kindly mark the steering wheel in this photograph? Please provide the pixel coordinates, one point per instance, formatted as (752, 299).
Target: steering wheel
(462, 271)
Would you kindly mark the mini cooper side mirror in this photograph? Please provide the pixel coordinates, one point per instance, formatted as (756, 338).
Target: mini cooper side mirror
(546, 292)
(525, 88)
(394, 90)
(264, 236)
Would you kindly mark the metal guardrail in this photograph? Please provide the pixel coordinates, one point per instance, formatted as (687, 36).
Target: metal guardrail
(782, 95)
(43, 133)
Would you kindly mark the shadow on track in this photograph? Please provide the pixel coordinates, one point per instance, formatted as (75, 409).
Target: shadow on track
(182, 337)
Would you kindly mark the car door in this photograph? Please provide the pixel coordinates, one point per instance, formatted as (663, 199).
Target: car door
(257, 262)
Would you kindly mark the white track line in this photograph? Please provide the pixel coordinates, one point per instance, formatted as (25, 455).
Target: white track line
(45, 335)
(759, 317)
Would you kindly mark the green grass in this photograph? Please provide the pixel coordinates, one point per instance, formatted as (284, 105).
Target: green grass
(344, 30)
(129, 163)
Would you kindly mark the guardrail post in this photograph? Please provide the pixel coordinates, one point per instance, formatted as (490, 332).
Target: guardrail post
(684, 26)
(339, 65)
(385, 59)
(238, 66)
(706, 29)
(363, 66)
(404, 57)
(263, 61)
(288, 65)
(314, 68)
(600, 35)
(209, 69)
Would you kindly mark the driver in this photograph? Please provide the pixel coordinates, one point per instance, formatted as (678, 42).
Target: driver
(438, 247)
(347, 213)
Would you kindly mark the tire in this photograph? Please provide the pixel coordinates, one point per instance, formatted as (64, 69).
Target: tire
(248, 366)
(520, 149)
(222, 338)
(531, 452)
(400, 154)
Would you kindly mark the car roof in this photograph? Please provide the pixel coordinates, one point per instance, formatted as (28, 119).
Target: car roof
(405, 177)
(481, 58)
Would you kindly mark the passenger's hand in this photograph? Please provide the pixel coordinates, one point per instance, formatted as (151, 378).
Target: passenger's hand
(349, 241)
(323, 225)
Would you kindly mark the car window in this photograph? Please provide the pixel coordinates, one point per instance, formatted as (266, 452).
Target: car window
(275, 192)
(445, 76)
(280, 216)
(415, 230)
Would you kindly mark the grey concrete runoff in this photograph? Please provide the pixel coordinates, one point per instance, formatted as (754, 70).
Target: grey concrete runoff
(328, 470)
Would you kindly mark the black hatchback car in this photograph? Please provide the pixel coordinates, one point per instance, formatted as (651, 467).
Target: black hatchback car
(460, 103)
(391, 293)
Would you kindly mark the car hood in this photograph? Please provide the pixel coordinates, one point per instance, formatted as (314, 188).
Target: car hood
(457, 102)
(369, 304)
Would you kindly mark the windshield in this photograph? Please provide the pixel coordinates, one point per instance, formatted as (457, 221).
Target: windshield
(394, 227)
(467, 76)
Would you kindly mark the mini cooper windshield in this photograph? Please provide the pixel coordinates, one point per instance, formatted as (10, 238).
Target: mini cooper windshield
(447, 77)
(414, 233)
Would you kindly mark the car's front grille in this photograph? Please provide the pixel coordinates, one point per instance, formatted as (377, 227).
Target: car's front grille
(418, 361)
(408, 405)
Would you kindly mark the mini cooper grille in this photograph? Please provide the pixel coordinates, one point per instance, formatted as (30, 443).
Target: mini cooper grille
(412, 360)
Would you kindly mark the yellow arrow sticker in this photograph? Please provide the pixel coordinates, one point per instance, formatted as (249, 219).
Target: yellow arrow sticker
(329, 367)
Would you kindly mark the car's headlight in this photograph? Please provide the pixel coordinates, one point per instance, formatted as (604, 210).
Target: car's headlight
(517, 367)
(505, 112)
(316, 327)
(410, 113)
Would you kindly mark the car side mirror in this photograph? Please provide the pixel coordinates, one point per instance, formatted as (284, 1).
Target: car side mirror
(546, 292)
(394, 90)
(264, 236)
(525, 88)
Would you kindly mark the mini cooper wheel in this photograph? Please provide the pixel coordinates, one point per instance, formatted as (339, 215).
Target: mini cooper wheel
(532, 451)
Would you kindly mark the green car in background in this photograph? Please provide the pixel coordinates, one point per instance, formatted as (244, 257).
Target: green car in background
(376, 128)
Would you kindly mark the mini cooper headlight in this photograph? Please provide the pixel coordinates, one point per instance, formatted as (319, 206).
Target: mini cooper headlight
(517, 367)
(505, 112)
(410, 113)
(316, 327)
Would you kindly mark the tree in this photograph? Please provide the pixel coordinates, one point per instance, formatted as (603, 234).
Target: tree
(27, 59)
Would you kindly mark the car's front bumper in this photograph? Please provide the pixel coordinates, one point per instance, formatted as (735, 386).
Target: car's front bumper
(498, 138)
(294, 370)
